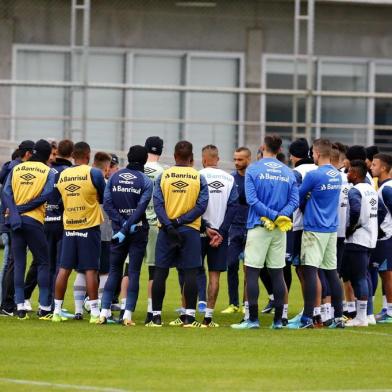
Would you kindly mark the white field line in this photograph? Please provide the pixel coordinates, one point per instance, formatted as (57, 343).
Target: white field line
(369, 333)
(60, 386)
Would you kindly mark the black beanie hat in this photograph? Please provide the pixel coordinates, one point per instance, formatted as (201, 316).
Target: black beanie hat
(137, 154)
(42, 150)
(299, 148)
(26, 145)
(356, 152)
(371, 152)
(154, 145)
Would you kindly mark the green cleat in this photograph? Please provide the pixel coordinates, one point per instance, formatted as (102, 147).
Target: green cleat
(176, 323)
(231, 309)
(94, 320)
(194, 324)
(56, 318)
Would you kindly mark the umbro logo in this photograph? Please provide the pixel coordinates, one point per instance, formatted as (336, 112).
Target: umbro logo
(53, 170)
(127, 176)
(373, 202)
(149, 170)
(216, 185)
(332, 173)
(72, 188)
(180, 184)
(28, 177)
(273, 165)
(345, 191)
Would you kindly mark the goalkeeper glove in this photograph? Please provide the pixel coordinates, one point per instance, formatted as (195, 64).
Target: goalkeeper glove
(118, 238)
(268, 224)
(284, 223)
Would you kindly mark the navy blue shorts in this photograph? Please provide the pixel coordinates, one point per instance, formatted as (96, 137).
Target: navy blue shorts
(104, 260)
(81, 249)
(381, 256)
(236, 244)
(189, 256)
(296, 248)
(216, 257)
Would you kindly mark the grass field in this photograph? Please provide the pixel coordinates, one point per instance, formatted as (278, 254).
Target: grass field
(81, 356)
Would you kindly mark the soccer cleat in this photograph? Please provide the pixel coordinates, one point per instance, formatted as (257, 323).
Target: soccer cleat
(102, 320)
(66, 314)
(327, 323)
(231, 309)
(27, 305)
(194, 324)
(268, 308)
(115, 307)
(57, 318)
(22, 314)
(356, 322)
(337, 323)
(128, 323)
(303, 323)
(94, 319)
(371, 319)
(317, 323)
(148, 318)
(381, 314)
(78, 316)
(246, 324)
(277, 325)
(176, 323)
(295, 319)
(285, 322)
(385, 319)
(201, 307)
(210, 324)
(86, 305)
(45, 315)
(6, 313)
(156, 322)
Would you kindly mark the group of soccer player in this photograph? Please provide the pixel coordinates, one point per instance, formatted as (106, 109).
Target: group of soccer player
(328, 216)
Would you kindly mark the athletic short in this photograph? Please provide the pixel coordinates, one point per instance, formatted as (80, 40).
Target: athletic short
(339, 254)
(236, 244)
(319, 250)
(381, 256)
(189, 256)
(265, 248)
(81, 249)
(355, 264)
(54, 236)
(104, 260)
(150, 250)
(216, 257)
(296, 247)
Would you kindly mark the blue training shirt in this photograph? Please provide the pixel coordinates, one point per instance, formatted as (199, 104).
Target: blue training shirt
(271, 191)
(321, 190)
(242, 208)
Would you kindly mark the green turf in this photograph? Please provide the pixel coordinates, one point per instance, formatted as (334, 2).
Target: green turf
(172, 359)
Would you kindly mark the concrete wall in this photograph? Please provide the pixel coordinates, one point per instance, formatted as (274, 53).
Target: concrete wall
(247, 26)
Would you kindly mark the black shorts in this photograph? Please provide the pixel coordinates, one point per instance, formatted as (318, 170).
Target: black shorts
(216, 257)
(296, 248)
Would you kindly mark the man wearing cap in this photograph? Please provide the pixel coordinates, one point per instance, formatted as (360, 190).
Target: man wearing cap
(114, 164)
(153, 169)
(28, 187)
(81, 188)
(127, 194)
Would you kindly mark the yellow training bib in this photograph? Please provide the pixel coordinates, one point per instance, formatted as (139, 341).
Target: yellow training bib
(80, 198)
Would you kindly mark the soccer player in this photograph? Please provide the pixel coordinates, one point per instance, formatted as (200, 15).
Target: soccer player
(272, 195)
(321, 190)
(382, 255)
(53, 226)
(237, 231)
(114, 164)
(27, 188)
(180, 199)
(81, 188)
(127, 195)
(101, 162)
(361, 237)
(153, 169)
(222, 203)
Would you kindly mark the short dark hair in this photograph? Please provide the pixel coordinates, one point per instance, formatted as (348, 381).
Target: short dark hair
(81, 149)
(211, 149)
(340, 147)
(386, 159)
(244, 149)
(65, 148)
(15, 154)
(100, 158)
(280, 156)
(183, 150)
(360, 167)
(273, 143)
(324, 147)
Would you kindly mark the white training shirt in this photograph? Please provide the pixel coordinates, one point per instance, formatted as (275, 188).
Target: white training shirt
(343, 206)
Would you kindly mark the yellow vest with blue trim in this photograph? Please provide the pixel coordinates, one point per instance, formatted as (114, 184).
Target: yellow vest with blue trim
(180, 187)
(28, 181)
(80, 198)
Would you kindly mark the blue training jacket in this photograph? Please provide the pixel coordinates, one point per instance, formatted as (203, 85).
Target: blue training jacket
(242, 208)
(271, 191)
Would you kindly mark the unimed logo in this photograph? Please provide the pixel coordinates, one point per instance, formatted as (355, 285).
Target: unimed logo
(72, 188)
(216, 185)
(180, 184)
(28, 176)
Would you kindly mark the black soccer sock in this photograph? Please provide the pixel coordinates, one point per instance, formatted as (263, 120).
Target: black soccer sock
(336, 291)
(287, 276)
(151, 271)
(279, 290)
(266, 279)
(159, 287)
(252, 290)
(310, 289)
(190, 287)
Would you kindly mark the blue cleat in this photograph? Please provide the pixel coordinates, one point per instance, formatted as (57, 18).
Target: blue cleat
(380, 315)
(269, 307)
(385, 319)
(295, 319)
(303, 323)
(201, 307)
(277, 325)
(246, 324)
(337, 324)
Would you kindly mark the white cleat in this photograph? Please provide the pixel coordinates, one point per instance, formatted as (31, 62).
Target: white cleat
(371, 319)
(27, 305)
(355, 322)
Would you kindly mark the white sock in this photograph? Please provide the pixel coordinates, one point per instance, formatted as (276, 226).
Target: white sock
(271, 297)
(123, 302)
(20, 306)
(149, 305)
(246, 306)
(345, 307)
(389, 309)
(46, 308)
(384, 302)
(285, 311)
(323, 312)
(351, 306)
(58, 303)
(332, 312)
(79, 291)
(102, 282)
(104, 313)
(94, 308)
(317, 311)
(362, 310)
(190, 312)
(328, 309)
(209, 313)
(156, 312)
(127, 315)
(182, 311)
